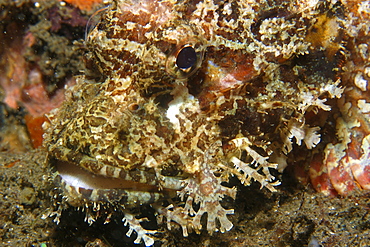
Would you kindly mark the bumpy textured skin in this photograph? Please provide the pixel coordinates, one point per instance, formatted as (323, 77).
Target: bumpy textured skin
(256, 94)
(344, 164)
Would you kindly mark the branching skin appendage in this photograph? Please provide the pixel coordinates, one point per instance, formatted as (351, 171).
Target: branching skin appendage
(182, 95)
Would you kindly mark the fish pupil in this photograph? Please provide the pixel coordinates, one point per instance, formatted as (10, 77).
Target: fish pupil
(186, 58)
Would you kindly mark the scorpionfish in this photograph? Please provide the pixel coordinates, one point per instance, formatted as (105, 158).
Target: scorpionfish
(181, 95)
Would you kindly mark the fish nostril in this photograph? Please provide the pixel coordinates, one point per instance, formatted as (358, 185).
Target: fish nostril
(94, 20)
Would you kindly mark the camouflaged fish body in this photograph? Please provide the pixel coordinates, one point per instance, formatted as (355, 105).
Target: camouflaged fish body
(180, 96)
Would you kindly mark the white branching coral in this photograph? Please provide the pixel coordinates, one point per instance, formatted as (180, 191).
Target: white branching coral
(296, 128)
(202, 194)
(258, 169)
(135, 226)
(301, 132)
(207, 191)
(308, 98)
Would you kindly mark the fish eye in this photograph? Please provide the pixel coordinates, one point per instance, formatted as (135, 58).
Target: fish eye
(181, 48)
(186, 58)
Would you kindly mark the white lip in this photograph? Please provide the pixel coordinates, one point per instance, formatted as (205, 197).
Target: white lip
(78, 177)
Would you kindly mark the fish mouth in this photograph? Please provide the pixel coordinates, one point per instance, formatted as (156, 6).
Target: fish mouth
(81, 187)
(78, 177)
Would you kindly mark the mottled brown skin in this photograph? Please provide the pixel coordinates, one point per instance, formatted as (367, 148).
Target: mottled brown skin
(138, 116)
(344, 165)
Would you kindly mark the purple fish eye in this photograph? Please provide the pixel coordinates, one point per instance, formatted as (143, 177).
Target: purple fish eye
(186, 58)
